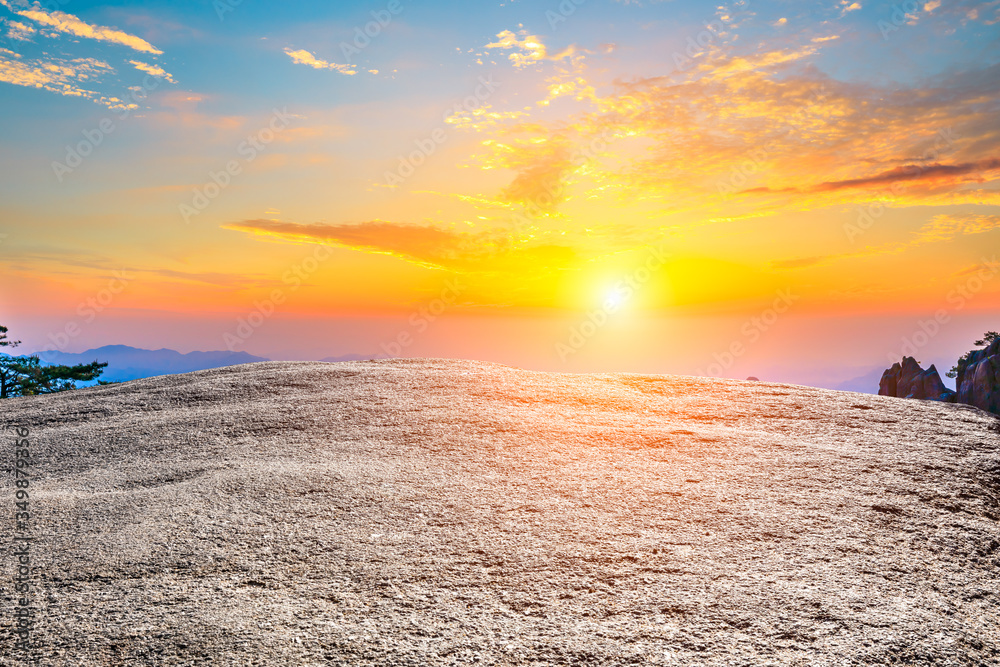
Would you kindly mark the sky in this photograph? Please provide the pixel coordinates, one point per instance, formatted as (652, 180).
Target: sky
(800, 191)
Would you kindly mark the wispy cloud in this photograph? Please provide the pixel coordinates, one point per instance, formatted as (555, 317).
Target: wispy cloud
(526, 49)
(941, 229)
(69, 24)
(849, 6)
(911, 172)
(153, 70)
(934, 173)
(20, 31)
(947, 226)
(426, 245)
(303, 57)
(59, 76)
(763, 125)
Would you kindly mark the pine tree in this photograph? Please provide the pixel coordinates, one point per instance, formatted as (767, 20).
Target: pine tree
(26, 376)
(987, 339)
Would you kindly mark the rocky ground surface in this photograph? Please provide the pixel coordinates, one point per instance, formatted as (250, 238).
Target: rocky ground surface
(431, 512)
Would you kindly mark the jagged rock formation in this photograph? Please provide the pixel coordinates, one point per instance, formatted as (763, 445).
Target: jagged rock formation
(909, 380)
(979, 378)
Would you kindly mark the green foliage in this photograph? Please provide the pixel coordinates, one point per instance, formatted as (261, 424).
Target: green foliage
(27, 376)
(987, 339)
(4, 342)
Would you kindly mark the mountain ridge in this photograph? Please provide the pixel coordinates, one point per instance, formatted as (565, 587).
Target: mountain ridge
(130, 363)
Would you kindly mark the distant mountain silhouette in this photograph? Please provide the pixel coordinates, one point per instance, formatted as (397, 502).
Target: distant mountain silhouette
(865, 384)
(132, 363)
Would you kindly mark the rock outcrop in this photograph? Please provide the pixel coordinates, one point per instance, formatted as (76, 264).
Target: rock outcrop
(431, 512)
(979, 378)
(909, 380)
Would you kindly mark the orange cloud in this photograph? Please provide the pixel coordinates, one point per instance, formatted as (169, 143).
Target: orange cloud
(761, 125)
(302, 57)
(912, 172)
(426, 245)
(152, 70)
(69, 24)
(20, 31)
(941, 228)
(58, 76)
(948, 226)
(526, 51)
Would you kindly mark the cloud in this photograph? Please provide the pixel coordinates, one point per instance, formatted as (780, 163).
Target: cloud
(933, 173)
(153, 70)
(913, 172)
(528, 49)
(59, 76)
(303, 57)
(542, 168)
(799, 263)
(426, 245)
(213, 278)
(941, 229)
(767, 123)
(757, 62)
(946, 227)
(773, 121)
(20, 31)
(69, 24)
(964, 12)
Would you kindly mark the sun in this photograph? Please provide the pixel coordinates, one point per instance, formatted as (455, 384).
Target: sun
(615, 298)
